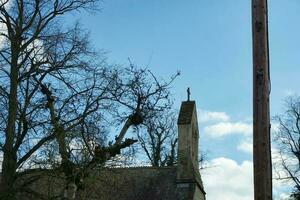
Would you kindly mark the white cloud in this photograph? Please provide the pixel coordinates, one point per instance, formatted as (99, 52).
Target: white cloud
(246, 146)
(274, 127)
(219, 124)
(228, 128)
(227, 180)
(279, 172)
(281, 189)
(209, 116)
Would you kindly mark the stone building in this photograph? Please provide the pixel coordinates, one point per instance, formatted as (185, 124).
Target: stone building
(181, 182)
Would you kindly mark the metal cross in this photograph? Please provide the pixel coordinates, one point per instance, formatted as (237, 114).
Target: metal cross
(188, 94)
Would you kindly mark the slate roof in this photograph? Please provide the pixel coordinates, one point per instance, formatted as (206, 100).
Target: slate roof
(134, 183)
(137, 183)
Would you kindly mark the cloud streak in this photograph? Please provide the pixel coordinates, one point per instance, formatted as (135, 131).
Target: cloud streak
(228, 128)
(212, 116)
(246, 146)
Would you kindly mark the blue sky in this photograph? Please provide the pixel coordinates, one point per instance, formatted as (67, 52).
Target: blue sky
(209, 41)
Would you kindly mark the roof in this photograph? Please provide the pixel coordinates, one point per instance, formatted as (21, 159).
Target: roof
(134, 183)
(145, 183)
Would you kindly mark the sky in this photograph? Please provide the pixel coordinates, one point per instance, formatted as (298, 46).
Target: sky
(210, 42)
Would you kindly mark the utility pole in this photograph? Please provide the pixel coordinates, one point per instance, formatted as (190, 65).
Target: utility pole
(261, 110)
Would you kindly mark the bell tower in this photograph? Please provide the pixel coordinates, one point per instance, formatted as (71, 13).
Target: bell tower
(188, 175)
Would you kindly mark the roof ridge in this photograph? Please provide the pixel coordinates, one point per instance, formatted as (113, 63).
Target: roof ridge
(141, 167)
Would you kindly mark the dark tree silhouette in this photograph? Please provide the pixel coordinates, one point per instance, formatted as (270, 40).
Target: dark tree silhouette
(58, 95)
(29, 34)
(287, 139)
(158, 139)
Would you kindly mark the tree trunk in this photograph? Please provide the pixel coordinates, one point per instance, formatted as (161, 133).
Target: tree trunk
(9, 153)
(123, 131)
(67, 165)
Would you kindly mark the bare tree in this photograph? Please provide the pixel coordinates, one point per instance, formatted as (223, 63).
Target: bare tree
(72, 103)
(158, 139)
(113, 91)
(56, 93)
(28, 30)
(287, 140)
(141, 94)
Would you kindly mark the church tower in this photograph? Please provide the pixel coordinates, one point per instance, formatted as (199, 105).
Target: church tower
(189, 181)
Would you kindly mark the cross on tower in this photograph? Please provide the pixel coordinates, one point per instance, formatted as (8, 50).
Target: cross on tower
(188, 94)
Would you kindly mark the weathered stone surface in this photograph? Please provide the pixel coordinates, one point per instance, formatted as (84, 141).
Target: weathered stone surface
(186, 112)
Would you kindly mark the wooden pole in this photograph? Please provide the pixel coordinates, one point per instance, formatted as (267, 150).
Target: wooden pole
(261, 110)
